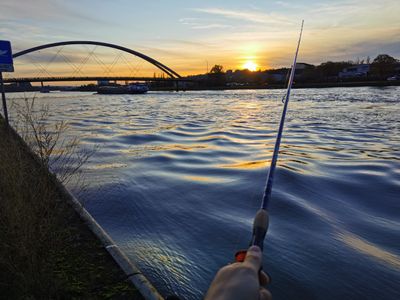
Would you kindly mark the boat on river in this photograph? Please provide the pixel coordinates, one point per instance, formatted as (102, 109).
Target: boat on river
(135, 88)
(45, 90)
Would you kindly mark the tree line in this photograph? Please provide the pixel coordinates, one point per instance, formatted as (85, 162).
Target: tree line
(382, 67)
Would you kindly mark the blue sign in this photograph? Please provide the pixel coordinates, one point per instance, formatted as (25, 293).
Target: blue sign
(6, 60)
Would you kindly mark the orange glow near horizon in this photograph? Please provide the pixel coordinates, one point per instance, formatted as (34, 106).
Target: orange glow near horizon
(250, 65)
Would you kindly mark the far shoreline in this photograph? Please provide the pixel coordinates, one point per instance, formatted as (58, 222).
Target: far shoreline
(313, 85)
(295, 86)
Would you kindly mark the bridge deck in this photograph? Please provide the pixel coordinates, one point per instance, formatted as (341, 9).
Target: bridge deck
(91, 78)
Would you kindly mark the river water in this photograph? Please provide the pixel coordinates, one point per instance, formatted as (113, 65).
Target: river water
(178, 177)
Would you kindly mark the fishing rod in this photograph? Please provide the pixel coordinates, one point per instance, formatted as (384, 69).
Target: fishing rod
(261, 220)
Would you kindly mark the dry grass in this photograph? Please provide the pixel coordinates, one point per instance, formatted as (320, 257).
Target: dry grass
(46, 251)
(64, 156)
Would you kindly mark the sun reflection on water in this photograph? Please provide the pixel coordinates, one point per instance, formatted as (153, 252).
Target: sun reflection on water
(369, 249)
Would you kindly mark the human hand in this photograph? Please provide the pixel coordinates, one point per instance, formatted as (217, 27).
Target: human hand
(241, 281)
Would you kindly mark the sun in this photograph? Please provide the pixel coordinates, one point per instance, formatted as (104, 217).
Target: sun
(250, 65)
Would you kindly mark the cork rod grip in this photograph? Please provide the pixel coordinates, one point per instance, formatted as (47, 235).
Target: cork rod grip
(260, 228)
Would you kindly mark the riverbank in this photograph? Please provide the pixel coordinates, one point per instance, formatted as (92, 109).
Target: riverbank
(47, 250)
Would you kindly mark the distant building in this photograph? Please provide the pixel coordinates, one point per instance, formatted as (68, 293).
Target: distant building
(360, 70)
(277, 75)
(103, 82)
(304, 71)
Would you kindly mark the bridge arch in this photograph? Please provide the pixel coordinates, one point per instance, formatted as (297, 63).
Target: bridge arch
(154, 62)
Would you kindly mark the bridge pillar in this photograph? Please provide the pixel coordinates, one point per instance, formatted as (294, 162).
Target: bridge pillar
(41, 83)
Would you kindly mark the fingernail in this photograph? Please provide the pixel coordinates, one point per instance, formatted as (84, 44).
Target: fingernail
(254, 249)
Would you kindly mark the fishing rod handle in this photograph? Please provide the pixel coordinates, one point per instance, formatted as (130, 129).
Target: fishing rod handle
(260, 228)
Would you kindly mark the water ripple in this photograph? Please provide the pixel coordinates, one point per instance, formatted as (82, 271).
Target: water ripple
(179, 176)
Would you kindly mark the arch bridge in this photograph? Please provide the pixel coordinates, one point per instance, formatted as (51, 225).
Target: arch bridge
(172, 75)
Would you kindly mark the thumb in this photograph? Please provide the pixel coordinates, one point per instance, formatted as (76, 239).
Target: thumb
(254, 257)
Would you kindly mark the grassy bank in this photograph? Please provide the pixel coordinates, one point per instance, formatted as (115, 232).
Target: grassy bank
(46, 251)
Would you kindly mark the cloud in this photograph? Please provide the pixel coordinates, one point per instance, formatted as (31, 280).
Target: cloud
(46, 10)
(212, 26)
(249, 16)
(288, 5)
(185, 42)
(189, 21)
(372, 49)
(31, 23)
(196, 23)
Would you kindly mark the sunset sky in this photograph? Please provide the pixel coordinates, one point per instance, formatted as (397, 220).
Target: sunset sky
(187, 35)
